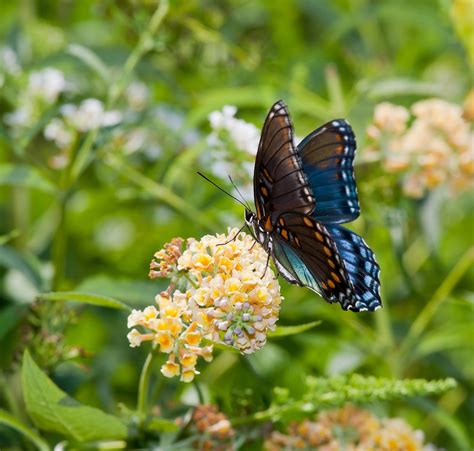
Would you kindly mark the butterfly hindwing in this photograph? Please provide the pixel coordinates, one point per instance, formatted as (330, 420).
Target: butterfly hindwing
(308, 253)
(327, 156)
(361, 267)
(279, 181)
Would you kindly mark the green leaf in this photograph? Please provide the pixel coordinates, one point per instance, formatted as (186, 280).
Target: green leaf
(283, 331)
(85, 298)
(25, 263)
(10, 421)
(221, 346)
(134, 292)
(90, 59)
(23, 175)
(53, 410)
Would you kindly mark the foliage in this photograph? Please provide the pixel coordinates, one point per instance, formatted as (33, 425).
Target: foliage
(108, 109)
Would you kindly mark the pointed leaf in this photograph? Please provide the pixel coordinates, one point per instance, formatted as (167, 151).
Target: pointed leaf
(85, 298)
(53, 410)
(283, 331)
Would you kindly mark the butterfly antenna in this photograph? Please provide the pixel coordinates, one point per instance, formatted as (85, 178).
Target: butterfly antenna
(238, 191)
(222, 189)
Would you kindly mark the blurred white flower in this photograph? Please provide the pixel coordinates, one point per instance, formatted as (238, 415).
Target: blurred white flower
(19, 118)
(243, 134)
(90, 114)
(9, 61)
(58, 132)
(114, 234)
(46, 84)
(135, 140)
(137, 95)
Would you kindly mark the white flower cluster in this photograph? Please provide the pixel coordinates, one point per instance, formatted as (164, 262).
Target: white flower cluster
(88, 115)
(244, 135)
(43, 89)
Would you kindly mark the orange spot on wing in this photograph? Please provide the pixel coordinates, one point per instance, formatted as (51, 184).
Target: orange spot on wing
(335, 277)
(307, 221)
(325, 287)
(284, 234)
(264, 191)
(267, 174)
(282, 221)
(319, 236)
(268, 225)
(297, 241)
(327, 251)
(331, 263)
(331, 283)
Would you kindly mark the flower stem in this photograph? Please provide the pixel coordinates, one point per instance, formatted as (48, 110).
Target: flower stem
(144, 386)
(59, 245)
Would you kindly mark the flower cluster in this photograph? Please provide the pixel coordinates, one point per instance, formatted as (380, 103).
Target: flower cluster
(430, 145)
(42, 90)
(172, 327)
(214, 427)
(226, 294)
(349, 428)
(233, 143)
(237, 294)
(243, 134)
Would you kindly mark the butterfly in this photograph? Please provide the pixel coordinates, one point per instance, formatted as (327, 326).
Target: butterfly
(302, 194)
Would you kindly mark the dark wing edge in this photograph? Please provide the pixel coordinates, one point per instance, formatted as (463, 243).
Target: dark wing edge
(361, 266)
(327, 155)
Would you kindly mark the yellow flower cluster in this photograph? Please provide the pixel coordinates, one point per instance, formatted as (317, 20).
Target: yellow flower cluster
(237, 295)
(436, 147)
(171, 327)
(363, 432)
(227, 295)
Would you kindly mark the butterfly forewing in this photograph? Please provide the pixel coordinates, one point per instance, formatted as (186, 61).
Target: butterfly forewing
(327, 156)
(279, 181)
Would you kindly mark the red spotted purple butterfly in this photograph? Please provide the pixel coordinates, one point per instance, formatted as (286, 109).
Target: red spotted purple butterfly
(302, 194)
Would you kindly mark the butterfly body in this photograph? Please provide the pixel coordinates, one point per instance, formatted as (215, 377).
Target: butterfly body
(302, 194)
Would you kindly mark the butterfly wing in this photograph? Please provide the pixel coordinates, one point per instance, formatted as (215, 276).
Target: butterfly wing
(327, 155)
(279, 181)
(361, 266)
(309, 257)
(336, 267)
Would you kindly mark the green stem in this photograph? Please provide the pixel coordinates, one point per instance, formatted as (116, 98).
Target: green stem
(159, 191)
(144, 387)
(116, 89)
(59, 245)
(145, 44)
(439, 296)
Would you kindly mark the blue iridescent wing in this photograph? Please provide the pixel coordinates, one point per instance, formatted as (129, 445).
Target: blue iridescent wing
(327, 155)
(360, 264)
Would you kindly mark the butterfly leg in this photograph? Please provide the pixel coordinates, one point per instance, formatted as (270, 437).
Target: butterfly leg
(266, 266)
(234, 237)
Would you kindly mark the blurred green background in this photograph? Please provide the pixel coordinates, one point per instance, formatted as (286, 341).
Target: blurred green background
(89, 217)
